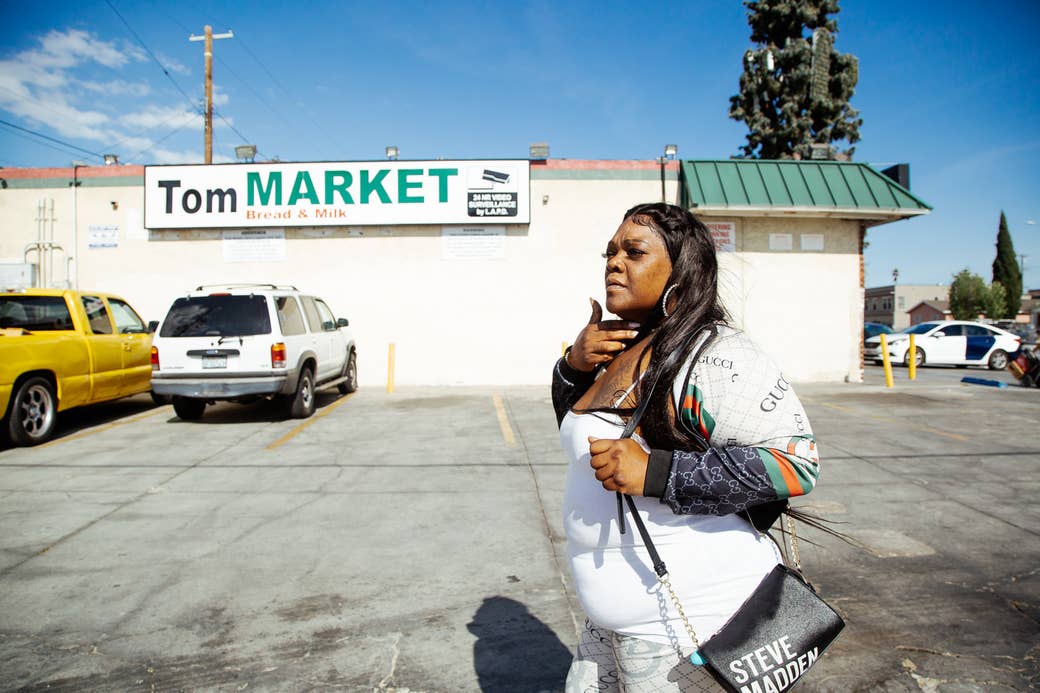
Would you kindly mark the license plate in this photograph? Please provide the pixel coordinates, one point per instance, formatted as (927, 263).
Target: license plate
(214, 361)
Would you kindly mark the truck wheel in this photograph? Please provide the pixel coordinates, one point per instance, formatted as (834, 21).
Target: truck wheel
(34, 412)
(350, 372)
(301, 405)
(188, 408)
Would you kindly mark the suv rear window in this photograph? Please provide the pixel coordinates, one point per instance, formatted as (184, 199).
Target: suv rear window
(35, 313)
(224, 316)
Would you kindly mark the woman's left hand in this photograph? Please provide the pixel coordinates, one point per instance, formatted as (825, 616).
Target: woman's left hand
(620, 464)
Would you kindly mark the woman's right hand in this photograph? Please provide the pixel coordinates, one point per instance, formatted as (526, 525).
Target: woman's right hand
(600, 340)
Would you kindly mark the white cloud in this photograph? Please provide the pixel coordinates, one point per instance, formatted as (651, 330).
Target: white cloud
(84, 89)
(173, 65)
(155, 116)
(66, 49)
(117, 87)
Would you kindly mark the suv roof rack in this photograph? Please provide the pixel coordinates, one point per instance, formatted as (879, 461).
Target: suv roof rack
(246, 285)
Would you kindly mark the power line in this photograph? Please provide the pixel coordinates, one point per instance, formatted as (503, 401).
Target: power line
(52, 139)
(113, 147)
(286, 92)
(153, 145)
(43, 144)
(149, 51)
(257, 94)
(240, 41)
(245, 140)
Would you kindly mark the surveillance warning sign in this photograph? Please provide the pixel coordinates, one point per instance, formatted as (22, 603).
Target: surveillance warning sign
(492, 191)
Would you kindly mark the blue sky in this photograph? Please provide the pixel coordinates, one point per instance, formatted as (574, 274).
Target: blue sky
(951, 88)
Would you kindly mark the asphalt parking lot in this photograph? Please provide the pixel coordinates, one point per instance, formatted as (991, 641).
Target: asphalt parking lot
(412, 542)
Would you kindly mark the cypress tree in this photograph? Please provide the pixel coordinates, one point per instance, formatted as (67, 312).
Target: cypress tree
(1007, 272)
(795, 88)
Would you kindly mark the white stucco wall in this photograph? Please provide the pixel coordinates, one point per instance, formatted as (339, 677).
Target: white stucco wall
(490, 321)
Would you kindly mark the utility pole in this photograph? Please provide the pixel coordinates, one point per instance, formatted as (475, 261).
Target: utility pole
(208, 37)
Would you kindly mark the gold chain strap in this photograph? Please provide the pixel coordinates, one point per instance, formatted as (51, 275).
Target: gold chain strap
(793, 538)
(663, 579)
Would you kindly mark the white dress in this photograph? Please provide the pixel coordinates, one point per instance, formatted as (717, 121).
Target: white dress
(714, 563)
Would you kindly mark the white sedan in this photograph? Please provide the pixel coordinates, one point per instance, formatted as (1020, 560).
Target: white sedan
(953, 342)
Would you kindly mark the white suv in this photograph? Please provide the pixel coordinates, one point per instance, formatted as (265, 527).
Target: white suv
(240, 342)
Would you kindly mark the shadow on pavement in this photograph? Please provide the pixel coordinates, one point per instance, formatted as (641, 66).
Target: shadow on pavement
(74, 420)
(514, 650)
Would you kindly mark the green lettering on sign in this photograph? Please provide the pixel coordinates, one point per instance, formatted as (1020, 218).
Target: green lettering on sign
(374, 185)
(303, 187)
(441, 174)
(331, 186)
(257, 189)
(404, 185)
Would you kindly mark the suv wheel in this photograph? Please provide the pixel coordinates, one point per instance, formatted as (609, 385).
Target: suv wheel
(188, 408)
(34, 412)
(302, 404)
(350, 372)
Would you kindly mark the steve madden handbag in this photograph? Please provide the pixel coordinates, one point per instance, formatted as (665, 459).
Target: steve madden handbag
(775, 636)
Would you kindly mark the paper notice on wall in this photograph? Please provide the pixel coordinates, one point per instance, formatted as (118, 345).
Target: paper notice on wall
(254, 245)
(781, 241)
(724, 233)
(812, 241)
(102, 236)
(475, 243)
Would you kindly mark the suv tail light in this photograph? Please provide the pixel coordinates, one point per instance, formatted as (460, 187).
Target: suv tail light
(155, 358)
(278, 355)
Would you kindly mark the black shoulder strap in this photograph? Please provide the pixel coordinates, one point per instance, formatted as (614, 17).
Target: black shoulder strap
(709, 334)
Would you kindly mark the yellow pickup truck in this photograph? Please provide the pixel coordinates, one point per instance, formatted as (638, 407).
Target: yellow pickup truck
(61, 349)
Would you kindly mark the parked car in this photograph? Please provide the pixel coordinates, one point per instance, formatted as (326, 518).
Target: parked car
(873, 329)
(1025, 331)
(955, 342)
(61, 349)
(241, 342)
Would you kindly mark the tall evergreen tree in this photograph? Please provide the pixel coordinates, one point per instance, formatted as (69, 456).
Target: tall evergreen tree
(1007, 272)
(795, 88)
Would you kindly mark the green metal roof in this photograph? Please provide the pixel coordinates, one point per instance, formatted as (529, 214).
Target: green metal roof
(841, 189)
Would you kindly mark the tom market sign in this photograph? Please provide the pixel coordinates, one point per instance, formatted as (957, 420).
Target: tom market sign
(366, 193)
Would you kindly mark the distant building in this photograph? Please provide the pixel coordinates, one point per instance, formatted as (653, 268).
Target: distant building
(890, 305)
(928, 311)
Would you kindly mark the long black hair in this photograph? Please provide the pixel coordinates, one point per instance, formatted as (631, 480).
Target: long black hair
(693, 301)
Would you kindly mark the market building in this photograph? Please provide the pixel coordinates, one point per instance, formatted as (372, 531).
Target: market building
(477, 271)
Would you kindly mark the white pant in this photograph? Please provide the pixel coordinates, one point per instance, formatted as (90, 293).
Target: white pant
(606, 661)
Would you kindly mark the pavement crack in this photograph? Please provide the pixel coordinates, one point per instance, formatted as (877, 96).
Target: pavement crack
(144, 494)
(395, 652)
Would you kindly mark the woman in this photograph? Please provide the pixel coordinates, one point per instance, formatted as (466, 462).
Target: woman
(723, 437)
